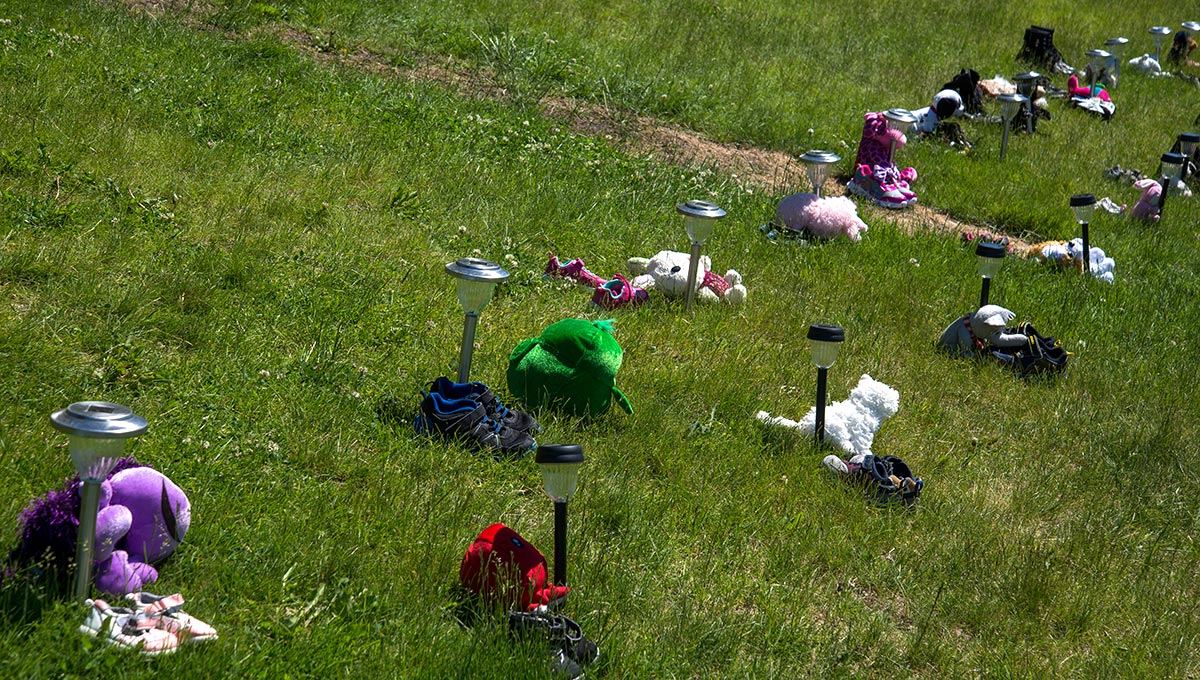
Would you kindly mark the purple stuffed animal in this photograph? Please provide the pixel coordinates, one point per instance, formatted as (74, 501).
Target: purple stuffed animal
(143, 517)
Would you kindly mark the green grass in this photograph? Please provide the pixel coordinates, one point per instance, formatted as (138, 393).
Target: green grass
(795, 76)
(247, 249)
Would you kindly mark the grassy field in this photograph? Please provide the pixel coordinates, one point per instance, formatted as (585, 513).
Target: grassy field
(246, 247)
(794, 76)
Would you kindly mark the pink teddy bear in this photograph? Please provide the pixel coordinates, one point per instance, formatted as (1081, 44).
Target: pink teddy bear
(824, 218)
(875, 174)
(1146, 207)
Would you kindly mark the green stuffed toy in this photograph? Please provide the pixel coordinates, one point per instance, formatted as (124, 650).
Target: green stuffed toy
(572, 365)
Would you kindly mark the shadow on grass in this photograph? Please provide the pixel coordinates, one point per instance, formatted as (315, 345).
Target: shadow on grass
(25, 595)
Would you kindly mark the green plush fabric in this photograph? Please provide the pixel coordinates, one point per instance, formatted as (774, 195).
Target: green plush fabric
(572, 365)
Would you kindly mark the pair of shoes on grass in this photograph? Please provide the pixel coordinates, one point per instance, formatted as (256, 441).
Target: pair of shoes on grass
(887, 479)
(570, 651)
(611, 294)
(152, 624)
(471, 412)
(886, 195)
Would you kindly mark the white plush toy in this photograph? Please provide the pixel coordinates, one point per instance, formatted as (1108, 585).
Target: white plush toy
(972, 333)
(1146, 64)
(825, 218)
(850, 424)
(667, 272)
(1100, 265)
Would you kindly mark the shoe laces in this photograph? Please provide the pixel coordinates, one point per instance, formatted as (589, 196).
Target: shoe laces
(501, 410)
(493, 425)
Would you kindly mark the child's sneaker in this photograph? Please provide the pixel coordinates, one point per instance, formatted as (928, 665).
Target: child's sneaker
(491, 405)
(906, 191)
(570, 651)
(835, 464)
(618, 292)
(573, 270)
(466, 419)
(886, 196)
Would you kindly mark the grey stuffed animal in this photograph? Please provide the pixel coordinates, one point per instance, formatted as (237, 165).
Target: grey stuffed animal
(977, 332)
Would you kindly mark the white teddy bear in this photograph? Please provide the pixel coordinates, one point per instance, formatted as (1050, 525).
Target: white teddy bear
(850, 424)
(667, 272)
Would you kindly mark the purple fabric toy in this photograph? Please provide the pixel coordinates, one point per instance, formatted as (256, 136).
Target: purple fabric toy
(143, 517)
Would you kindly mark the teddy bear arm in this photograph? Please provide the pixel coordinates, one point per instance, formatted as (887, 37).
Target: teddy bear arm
(645, 281)
(118, 575)
(112, 524)
(622, 400)
(1010, 339)
(956, 340)
(736, 295)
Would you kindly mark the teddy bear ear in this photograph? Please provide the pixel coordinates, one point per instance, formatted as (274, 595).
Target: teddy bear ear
(168, 514)
(994, 321)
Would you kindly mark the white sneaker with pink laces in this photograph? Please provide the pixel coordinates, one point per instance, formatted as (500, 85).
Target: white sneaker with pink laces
(167, 614)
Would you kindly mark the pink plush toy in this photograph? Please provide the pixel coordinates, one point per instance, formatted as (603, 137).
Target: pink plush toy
(875, 174)
(1078, 90)
(1146, 207)
(825, 218)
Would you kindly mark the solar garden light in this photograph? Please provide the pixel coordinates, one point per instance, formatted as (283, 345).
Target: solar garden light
(477, 281)
(817, 165)
(97, 431)
(825, 341)
(1187, 147)
(560, 475)
(1117, 47)
(1083, 205)
(1009, 105)
(989, 258)
(898, 119)
(1159, 35)
(1191, 27)
(1026, 84)
(1097, 58)
(1172, 165)
(700, 217)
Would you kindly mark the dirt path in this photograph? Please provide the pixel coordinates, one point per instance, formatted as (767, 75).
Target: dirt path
(771, 170)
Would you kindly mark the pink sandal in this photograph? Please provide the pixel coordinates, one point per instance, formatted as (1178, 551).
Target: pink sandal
(573, 270)
(166, 613)
(127, 628)
(619, 293)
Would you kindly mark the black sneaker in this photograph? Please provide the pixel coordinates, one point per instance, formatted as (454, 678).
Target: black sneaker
(466, 419)
(570, 651)
(484, 395)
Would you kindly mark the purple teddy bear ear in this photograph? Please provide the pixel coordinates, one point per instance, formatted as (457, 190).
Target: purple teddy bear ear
(168, 514)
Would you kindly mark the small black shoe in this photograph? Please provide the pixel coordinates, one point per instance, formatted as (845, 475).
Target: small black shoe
(466, 419)
(493, 406)
(570, 651)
